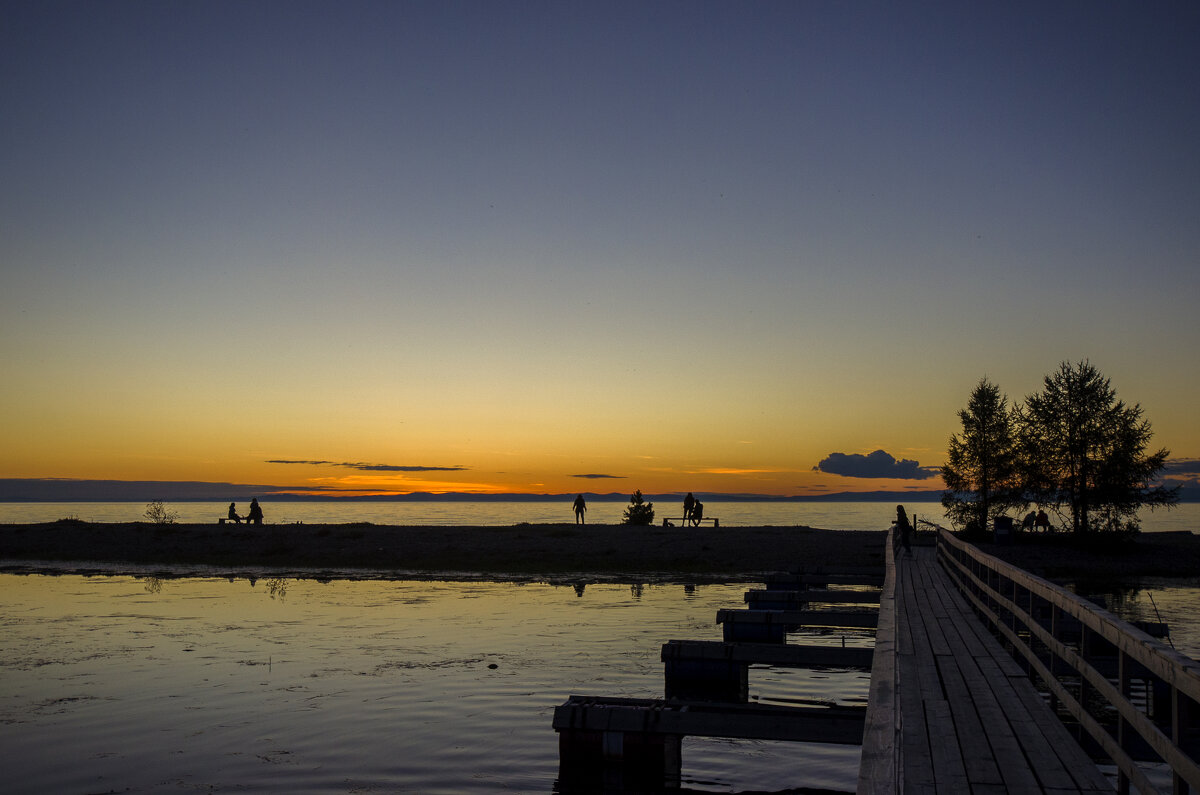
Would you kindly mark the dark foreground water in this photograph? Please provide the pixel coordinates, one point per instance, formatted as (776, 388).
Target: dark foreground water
(123, 684)
(210, 685)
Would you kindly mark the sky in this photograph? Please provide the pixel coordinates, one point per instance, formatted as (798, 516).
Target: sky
(548, 247)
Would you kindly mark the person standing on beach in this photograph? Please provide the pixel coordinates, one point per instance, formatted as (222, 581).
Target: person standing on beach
(256, 515)
(689, 503)
(580, 509)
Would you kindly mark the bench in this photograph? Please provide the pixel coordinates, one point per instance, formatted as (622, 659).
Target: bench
(688, 522)
(225, 519)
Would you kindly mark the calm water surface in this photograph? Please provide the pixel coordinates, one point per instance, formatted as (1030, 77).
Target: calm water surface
(142, 685)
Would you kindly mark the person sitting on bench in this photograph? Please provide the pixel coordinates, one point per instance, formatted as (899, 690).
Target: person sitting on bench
(697, 513)
(233, 514)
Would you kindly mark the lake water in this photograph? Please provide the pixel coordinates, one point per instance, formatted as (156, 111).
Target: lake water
(134, 684)
(827, 515)
(143, 685)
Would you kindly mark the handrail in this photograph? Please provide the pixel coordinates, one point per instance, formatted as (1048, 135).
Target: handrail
(1016, 603)
(879, 769)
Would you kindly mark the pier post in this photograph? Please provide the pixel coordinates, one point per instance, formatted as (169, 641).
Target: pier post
(713, 679)
(621, 759)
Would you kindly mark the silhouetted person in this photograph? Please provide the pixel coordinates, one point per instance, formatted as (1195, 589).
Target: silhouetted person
(233, 514)
(1028, 522)
(904, 529)
(1043, 521)
(580, 509)
(255, 516)
(697, 512)
(689, 503)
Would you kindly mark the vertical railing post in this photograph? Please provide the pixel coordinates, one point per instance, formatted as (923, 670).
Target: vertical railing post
(1055, 665)
(1123, 728)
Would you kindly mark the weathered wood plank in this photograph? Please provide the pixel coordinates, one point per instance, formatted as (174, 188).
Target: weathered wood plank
(865, 619)
(878, 768)
(839, 725)
(758, 596)
(783, 655)
(969, 718)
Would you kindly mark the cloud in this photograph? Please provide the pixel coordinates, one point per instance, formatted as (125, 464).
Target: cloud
(1182, 466)
(878, 464)
(362, 467)
(597, 476)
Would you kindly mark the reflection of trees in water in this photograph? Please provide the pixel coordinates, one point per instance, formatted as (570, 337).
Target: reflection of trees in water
(277, 587)
(153, 584)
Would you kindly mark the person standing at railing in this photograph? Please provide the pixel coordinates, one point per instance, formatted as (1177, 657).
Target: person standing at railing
(904, 530)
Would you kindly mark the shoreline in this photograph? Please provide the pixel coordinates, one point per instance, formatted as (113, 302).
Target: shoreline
(546, 552)
(521, 552)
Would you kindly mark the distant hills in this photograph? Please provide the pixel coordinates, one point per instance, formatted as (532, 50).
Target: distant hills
(70, 490)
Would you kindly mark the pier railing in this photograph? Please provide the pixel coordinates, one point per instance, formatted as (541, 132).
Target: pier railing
(1135, 698)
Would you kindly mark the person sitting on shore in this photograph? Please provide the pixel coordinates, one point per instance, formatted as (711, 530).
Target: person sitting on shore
(1042, 522)
(697, 512)
(232, 516)
(256, 515)
(1027, 522)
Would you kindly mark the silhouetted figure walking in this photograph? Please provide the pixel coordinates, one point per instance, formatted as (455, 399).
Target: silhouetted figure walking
(689, 504)
(255, 516)
(580, 509)
(904, 529)
(233, 514)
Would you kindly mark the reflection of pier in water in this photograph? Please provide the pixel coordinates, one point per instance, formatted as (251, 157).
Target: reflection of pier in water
(638, 742)
(957, 704)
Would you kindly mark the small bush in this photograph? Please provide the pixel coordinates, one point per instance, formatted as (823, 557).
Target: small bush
(159, 513)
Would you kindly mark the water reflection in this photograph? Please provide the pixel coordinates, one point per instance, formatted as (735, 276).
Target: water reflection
(1155, 601)
(277, 587)
(332, 686)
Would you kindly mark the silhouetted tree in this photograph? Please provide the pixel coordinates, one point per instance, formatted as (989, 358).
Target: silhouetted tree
(159, 513)
(981, 463)
(639, 512)
(1084, 450)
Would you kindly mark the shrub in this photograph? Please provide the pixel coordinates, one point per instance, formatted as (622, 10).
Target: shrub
(639, 512)
(159, 513)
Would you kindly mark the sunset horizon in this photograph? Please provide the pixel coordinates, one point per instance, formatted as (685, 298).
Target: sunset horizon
(461, 247)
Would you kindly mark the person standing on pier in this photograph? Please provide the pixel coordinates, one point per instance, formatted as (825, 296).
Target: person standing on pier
(580, 509)
(904, 530)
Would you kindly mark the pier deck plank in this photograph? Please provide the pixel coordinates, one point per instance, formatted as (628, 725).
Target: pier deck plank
(966, 718)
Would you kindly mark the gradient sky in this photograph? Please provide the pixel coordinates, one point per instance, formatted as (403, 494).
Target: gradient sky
(494, 246)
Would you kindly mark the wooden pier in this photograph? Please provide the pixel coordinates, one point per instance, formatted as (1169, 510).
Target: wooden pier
(976, 666)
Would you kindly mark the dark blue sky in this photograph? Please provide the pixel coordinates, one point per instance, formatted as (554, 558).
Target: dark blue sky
(492, 235)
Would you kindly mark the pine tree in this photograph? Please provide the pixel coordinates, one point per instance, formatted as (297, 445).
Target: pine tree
(639, 512)
(981, 464)
(1085, 450)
